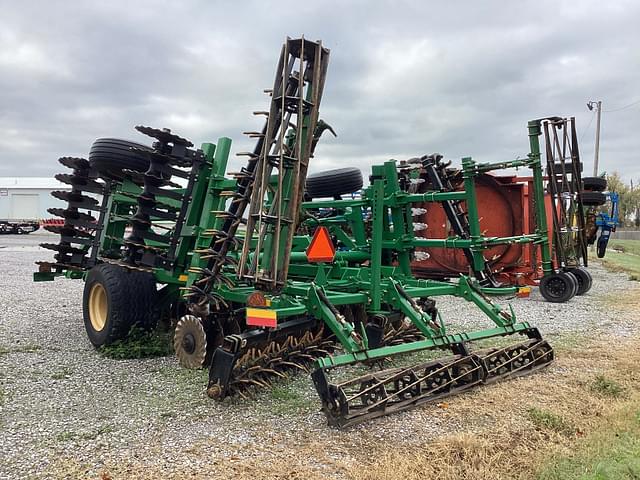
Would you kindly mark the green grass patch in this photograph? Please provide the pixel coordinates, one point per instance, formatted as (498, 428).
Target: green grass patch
(288, 399)
(611, 452)
(184, 376)
(61, 374)
(140, 344)
(67, 436)
(607, 387)
(626, 246)
(20, 349)
(545, 420)
(567, 341)
(623, 263)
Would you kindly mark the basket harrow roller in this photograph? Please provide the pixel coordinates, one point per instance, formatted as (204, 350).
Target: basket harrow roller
(396, 389)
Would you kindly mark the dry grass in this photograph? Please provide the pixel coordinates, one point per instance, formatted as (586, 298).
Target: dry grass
(509, 430)
(511, 443)
(291, 463)
(629, 302)
(463, 456)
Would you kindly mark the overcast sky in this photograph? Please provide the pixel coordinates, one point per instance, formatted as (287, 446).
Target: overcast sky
(405, 77)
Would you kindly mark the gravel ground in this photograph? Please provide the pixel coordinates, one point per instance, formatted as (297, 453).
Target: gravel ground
(60, 399)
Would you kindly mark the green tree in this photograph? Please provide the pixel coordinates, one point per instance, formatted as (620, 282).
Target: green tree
(629, 208)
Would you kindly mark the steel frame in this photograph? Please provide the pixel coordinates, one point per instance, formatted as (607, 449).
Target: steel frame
(208, 264)
(315, 290)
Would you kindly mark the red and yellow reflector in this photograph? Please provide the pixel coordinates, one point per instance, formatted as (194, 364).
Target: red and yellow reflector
(321, 248)
(523, 292)
(262, 317)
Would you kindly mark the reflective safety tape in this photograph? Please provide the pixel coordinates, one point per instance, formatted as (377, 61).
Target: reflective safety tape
(262, 317)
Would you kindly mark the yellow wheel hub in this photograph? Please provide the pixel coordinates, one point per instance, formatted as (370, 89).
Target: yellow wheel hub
(98, 308)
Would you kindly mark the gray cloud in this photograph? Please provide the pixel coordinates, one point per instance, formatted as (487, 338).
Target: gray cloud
(405, 77)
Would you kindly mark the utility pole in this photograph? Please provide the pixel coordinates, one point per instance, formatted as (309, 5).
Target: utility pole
(636, 221)
(596, 157)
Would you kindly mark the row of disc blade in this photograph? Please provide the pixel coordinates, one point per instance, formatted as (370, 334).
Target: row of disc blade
(170, 157)
(77, 233)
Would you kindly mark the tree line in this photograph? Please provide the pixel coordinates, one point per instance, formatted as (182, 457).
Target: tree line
(629, 193)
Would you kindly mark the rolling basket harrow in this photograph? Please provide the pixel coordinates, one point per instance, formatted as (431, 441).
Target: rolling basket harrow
(268, 271)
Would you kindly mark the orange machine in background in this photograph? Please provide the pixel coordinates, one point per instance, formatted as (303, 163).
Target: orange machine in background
(505, 209)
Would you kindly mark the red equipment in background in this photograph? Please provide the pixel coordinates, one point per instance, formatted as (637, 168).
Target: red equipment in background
(52, 222)
(505, 209)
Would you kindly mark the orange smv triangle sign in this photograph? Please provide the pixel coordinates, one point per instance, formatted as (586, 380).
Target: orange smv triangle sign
(321, 248)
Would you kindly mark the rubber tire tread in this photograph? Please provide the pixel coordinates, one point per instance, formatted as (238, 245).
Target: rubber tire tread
(119, 315)
(131, 300)
(593, 199)
(594, 184)
(575, 283)
(585, 280)
(112, 155)
(601, 249)
(333, 183)
(568, 295)
(144, 304)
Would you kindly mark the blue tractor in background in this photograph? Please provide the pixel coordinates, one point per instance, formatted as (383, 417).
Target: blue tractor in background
(606, 222)
(599, 219)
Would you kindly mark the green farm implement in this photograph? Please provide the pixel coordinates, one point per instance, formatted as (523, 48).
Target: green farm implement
(268, 271)
(543, 211)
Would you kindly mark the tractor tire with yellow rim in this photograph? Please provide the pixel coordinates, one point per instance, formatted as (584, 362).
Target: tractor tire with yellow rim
(115, 300)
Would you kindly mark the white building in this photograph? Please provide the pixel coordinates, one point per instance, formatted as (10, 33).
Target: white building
(27, 198)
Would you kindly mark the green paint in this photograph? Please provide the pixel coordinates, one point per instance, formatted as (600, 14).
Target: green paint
(372, 267)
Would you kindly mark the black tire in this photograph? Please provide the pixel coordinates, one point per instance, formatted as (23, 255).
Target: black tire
(333, 183)
(585, 280)
(575, 281)
(594, 184)
(123, 303)
(601, 248)
(593, 199)
(568, 167)
(145, 305)
(19, 231)
(111, 155)
(558, 287)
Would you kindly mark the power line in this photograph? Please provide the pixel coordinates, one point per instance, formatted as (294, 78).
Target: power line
(622, 108)
(584, 132)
